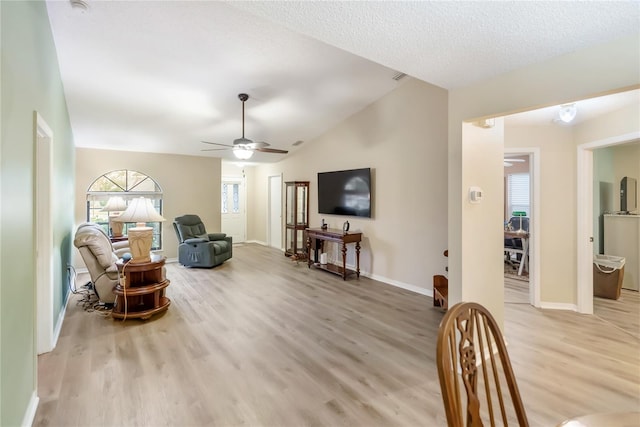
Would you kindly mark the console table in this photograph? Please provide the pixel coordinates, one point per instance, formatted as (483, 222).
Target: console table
(333, 235)
(142, 294)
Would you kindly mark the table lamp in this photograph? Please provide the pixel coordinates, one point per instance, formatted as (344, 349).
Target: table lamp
(115, 206)
(140, 211)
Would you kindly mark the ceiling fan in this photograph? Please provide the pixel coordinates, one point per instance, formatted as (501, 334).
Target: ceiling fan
(243, 148)
(509, 162)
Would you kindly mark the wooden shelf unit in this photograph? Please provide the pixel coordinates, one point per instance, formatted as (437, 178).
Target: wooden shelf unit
(143, 294)
(296, 217)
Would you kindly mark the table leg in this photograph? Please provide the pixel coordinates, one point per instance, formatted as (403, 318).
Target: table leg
(344, 261)
(358, 259)
(309, 251)
(525, 256)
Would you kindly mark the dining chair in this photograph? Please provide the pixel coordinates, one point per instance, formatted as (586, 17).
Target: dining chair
(472, 359)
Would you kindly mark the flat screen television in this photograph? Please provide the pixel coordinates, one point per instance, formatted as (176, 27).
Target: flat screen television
(345, 192)
(628, 194)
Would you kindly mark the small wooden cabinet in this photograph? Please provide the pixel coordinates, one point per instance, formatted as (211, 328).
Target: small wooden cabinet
(142, 292)
(296, 217)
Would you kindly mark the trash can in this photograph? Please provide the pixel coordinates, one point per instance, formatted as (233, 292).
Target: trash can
(608, 273)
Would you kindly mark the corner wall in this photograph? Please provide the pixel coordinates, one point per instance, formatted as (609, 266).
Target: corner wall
(402, 137)
(601, 69)
(30, 82)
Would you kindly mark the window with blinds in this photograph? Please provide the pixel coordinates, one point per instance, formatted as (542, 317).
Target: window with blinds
(518, 193)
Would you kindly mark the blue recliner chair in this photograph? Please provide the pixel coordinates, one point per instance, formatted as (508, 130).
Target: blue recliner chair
(196, 247)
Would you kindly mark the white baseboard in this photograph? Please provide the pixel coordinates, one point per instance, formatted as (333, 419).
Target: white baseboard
(259, 242)
(30, 413)
(407, 286)
(559, 306)
(58, 326)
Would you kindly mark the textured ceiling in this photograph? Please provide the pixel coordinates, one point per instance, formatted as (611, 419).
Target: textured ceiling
(162, 76)
(455, 43)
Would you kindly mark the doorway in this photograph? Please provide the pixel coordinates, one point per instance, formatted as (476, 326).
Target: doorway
(44, 235)
(532, 156)
(274, 226)
(585, 235)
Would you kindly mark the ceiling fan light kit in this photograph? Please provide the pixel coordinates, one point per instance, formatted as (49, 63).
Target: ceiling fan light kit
(242, 153)
(243, 148)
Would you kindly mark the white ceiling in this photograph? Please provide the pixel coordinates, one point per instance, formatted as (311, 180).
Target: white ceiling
(161, 76)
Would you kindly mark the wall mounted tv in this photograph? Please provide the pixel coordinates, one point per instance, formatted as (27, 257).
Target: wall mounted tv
(345, 192)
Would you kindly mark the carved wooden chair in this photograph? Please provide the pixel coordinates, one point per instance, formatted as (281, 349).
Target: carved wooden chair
(472, 359)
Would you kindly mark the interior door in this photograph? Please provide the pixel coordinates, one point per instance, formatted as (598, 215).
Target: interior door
(233, 209)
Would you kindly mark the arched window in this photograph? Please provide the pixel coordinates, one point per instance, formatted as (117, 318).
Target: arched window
(127, 184)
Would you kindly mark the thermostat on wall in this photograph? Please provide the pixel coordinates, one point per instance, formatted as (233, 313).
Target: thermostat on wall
(475, 194)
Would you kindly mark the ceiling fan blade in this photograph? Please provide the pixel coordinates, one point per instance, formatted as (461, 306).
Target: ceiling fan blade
(271, 150)
(216, 143)
(214, 149)
(261, 144)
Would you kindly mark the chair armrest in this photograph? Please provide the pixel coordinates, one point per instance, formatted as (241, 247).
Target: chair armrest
(217, 236)
(121, 251)
(196, 240)
(120, 245)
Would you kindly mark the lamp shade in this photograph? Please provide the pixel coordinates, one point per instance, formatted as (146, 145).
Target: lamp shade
(115, 204)
(140, 210)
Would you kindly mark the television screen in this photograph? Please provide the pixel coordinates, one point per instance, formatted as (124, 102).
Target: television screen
(345, 192)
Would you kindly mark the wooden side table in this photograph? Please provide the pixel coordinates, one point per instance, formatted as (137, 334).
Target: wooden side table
(333, 235)
(122, 238)
(143, 292)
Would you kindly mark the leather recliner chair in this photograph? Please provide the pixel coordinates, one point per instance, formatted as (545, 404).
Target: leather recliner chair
(100, 256)
(196, 247)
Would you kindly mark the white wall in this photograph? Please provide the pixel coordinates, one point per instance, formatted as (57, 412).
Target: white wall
(402, 137)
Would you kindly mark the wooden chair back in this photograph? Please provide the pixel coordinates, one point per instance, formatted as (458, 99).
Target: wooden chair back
(472, 359)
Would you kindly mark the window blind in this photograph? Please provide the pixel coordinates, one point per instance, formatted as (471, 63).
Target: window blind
(519, 192)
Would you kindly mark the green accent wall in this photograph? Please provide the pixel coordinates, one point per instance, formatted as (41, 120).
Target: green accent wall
(30, 81)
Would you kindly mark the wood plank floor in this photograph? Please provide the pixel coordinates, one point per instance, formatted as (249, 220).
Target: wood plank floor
(263, 341)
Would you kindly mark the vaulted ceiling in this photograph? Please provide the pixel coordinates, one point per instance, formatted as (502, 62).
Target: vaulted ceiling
(161, 76)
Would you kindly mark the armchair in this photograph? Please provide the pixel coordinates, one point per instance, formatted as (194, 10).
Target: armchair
(196, 247)
(100, 256)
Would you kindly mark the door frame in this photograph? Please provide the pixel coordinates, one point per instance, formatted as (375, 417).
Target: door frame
(43, 239)
(270, 213)
(584, 205)
(534, 236)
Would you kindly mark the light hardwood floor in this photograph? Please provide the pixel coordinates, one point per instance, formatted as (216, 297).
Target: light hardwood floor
(263, 341)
